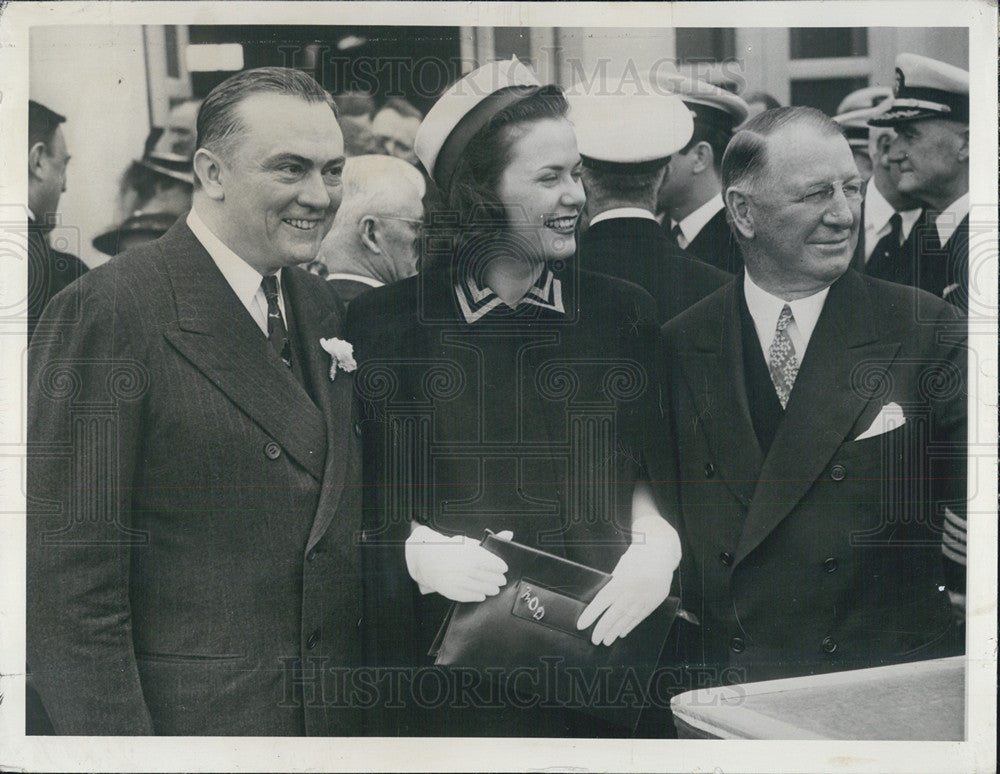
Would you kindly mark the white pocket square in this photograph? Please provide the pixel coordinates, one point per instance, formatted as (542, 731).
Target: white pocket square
(889, 418)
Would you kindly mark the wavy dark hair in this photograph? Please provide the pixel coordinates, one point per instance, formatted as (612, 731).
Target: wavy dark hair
(470, 212)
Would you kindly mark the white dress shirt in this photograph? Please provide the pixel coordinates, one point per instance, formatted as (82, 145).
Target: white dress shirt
(877, 214)
(241, 276)
(947, 221)
(766, 308)
(695, 222)
(622, 212)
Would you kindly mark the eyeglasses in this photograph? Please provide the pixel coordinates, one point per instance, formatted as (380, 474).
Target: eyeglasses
(853, 190)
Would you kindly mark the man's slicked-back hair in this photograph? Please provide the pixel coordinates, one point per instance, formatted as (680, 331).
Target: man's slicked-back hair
(218, 118)
(42, 124)
(746, 155)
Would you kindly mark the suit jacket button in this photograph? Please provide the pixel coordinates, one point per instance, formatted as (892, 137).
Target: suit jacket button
(312, 554)
(830, 565)
(829, 644)
(271, 450)
(709, 470)
(838, 472)
(357, 429)
(313, 639)
(737, 644)
(726, 558)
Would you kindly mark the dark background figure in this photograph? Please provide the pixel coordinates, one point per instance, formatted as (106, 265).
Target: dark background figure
(395, 126)
(49, 270)
(625, 142)
(800, 419)
(690, 197)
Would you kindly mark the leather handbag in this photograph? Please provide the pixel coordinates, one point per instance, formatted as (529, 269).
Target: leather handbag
(526, 635)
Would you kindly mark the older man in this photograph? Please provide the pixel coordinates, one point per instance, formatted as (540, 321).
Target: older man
(193, 507)
(375, 239)
(930, 114)
(802, 425)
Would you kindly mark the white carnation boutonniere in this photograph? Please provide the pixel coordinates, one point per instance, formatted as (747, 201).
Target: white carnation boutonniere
(341, 355)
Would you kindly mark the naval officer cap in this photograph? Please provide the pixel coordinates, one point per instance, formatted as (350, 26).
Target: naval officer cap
(466, 107)
(710, 105)
(634, 128)
(926, 88)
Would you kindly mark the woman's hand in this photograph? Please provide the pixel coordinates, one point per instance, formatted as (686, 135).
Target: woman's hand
(640, 581)
(457, 567)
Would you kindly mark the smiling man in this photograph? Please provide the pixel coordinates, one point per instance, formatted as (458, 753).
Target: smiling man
(810, 462)
(192, 496)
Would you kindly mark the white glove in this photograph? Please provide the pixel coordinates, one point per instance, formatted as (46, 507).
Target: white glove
(640, 581)
(455, 567)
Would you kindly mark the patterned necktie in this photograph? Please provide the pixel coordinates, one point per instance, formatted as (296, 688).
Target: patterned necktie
(885, 255)
(783, 364)
(276, 331)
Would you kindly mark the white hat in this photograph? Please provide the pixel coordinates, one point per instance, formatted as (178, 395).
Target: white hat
(926, 88)
(466, 107)
(710, 104)
(864, 99)
(631, 128)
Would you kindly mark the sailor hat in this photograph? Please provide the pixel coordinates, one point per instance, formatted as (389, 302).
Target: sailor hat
(466, 107)
(864, 99)
(926, 88)
(709, 104)
(640, 127)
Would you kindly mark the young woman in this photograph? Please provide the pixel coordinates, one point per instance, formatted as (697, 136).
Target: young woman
(503, 389)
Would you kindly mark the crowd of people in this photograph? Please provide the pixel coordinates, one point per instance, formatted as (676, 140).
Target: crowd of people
(713, 351)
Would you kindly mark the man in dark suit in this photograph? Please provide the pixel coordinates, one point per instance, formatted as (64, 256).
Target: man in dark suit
(690, 198)
(817, 430)
(623, 166)
(375, 239)
(49, 269)
(193, 508)
(930, 115)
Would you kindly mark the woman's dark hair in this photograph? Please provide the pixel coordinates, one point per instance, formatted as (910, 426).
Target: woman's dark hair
(472, 210)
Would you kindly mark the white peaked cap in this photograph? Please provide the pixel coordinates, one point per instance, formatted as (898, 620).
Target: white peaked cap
(629, 126)
(464, 106)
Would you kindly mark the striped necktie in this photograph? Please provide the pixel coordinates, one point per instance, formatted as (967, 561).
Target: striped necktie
(277, 334)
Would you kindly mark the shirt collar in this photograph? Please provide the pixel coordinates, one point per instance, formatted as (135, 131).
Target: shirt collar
(765, 309)
(696, 221)
(878, 211)
(948, 219)
(623, 212)
(241, 276)
(370, 281)
(475, 302)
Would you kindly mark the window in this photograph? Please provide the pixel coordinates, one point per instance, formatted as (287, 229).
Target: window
(827, 42)
(705, 44)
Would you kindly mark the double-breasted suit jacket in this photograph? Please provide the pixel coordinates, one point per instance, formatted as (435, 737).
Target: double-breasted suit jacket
(825, 552)
(193, 513)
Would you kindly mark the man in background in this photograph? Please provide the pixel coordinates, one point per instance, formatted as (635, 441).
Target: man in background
(395, 126)
(690, 199)
(49, 269)
(930, 115)
(375, 239)
(625, 143)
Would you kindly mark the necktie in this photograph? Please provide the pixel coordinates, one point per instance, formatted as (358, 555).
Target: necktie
(678, 236)
(783, 364)
(276, 331)
(886, 252)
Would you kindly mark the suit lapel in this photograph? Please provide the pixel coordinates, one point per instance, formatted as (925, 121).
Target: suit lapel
(315, 319)
(833, 386)
(713, 369)
(219, 337)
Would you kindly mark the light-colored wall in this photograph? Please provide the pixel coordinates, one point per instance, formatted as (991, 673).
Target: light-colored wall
(96, 77)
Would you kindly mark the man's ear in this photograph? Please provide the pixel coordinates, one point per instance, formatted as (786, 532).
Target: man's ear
(882, 144)
(368, 233)
(963, 151)
(738, 205)
(208, 168)
(36, 160)
(704, 158)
